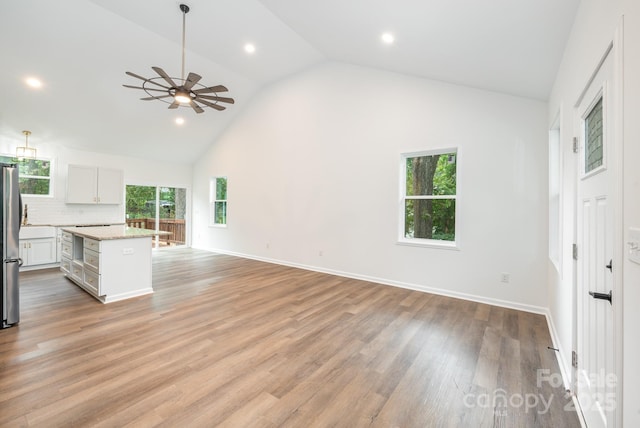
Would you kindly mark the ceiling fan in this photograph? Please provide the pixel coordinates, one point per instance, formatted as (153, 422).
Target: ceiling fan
(181, 92)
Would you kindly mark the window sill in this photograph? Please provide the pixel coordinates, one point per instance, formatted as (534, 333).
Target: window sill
(29, 195)
(426, 243)
(218, 226)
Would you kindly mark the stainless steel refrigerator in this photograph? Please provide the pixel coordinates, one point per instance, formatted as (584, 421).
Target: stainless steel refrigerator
(11, 213)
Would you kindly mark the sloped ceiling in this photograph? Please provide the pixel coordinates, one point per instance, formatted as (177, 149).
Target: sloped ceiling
(81, 49)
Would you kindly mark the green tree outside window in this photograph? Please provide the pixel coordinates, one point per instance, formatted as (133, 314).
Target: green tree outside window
(429, 200)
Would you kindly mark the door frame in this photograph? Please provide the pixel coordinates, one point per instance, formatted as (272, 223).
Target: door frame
(616, 158)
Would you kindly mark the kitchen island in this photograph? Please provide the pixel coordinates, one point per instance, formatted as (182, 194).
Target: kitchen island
(109, 262)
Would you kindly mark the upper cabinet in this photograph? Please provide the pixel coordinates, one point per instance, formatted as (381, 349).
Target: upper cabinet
(93, 185)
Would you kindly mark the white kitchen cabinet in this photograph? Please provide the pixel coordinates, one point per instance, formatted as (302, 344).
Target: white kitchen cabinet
(66, 251)
(38, 245)
(111, 263)
(93, 185)
(38, 251)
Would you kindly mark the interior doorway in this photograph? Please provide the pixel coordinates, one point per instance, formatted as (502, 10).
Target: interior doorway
(160, 209)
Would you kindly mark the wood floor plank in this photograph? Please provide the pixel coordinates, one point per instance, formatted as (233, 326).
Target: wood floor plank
(225, 341)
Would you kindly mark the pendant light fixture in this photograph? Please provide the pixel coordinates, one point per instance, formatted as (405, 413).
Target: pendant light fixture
(25, 152)
(181, 92)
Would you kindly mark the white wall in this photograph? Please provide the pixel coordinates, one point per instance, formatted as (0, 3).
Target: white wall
(313, 166)
(594, 28)
(631, 274)
(54, 210)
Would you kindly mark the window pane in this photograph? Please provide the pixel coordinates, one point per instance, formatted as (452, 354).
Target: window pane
(167, 202)
(431, 175)
(36, 167)
(172, 215)
(221, 188)
(34, 186)
(141, 204)
(220, 213)
(430, 219)
(593, 138)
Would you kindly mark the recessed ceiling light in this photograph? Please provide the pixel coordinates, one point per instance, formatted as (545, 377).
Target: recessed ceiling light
(387, 38)
(33, 82)
(179, 121)
(249, 48)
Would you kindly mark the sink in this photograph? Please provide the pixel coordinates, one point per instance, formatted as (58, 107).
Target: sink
(34, 232)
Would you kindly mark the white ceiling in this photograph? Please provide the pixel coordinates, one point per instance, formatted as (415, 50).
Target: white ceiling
(82, 48)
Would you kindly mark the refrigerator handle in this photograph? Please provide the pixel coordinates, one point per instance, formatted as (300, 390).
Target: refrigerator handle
(20, 212)
(18, 260)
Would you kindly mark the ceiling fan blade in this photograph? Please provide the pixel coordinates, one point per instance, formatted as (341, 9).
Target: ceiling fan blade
(174, 104)
(195, 107)
(220, 99)
(192, 79)
(212, 105)
(145, 89)
(155, 98)
(145, 79)
(135, 75)
(218, 88)
(165, 76)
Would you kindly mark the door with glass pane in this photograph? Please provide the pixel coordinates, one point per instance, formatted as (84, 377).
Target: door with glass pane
(160, 209)
(596, 302)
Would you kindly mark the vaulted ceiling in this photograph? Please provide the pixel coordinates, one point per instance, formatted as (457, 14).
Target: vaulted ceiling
(81, 50)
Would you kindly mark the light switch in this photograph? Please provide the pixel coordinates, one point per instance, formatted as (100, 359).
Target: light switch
(633, 245)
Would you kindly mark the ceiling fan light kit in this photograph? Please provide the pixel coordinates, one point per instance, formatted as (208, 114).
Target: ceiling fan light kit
(181, 92)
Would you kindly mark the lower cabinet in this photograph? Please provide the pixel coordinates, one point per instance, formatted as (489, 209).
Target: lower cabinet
(39, 251)
(91, 280)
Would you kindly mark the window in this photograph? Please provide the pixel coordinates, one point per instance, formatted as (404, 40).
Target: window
(428, 205)
(218, 201)
(593, 130)
(555, 186)
(34, 175)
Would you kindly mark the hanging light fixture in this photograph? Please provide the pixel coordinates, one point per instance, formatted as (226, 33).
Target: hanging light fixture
(183, 91)
(25, 152)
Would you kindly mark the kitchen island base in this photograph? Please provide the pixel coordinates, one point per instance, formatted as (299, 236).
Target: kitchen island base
(110, 263)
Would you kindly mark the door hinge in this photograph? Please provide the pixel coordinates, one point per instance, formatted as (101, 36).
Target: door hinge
(574, 359)
(575, 251)
(575, 144)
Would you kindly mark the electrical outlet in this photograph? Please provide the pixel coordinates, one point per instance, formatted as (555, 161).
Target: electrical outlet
(320, 253)
(267, 245)
(127, 251)
(504, 277)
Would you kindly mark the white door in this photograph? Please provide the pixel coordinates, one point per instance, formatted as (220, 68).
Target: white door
(596, 381)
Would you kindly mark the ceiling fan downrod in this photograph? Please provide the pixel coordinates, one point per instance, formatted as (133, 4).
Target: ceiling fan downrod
(185, 9)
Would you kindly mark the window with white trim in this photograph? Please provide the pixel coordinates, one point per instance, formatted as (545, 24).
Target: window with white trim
(34, 175)
(428, 202)
(218, 201)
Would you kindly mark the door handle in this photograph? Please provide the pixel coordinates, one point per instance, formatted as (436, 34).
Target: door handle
(610, 265)
(601, 296)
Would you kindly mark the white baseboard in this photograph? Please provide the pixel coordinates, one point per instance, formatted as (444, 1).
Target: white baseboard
(561, 355)
(123, 296)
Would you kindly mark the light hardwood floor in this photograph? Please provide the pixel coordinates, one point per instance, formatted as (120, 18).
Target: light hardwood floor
(231, 342)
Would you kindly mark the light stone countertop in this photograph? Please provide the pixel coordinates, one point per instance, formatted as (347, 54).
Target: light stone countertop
(101, 233)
